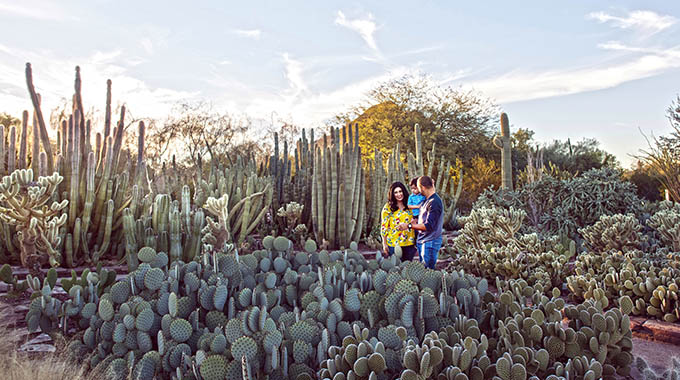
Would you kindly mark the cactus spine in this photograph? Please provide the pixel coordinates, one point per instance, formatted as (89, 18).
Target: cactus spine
(502, 142)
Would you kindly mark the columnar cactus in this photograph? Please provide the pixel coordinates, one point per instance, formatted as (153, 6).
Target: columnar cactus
(337, 195)
(95, 178)
(502, 142)
(44, 137)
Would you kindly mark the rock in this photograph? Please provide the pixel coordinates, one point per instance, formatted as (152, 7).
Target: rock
(664, 331)
(41, 343)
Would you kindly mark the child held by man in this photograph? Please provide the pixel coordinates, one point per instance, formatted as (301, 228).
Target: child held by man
(415, 200)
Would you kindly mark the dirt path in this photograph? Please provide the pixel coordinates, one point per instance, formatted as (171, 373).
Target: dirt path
(657, 354)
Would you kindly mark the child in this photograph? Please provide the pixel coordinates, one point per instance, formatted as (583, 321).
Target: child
(415, 200)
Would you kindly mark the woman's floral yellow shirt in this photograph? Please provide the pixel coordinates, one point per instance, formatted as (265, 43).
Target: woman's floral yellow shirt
(388, 227)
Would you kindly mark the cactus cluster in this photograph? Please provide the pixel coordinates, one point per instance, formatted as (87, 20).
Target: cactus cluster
(293, 179)
(666, 222)
(562, 206)
(648, 283)
(281, 313)
(490, 245)
(338, 204)
(113, 203)
(37, 224)
(616, 232)
(632, 261)
(243, 189)
(96, 180)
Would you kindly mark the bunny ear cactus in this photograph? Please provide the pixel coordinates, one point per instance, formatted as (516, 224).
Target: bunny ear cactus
(8, 278)
(23, 203)
(502, 142)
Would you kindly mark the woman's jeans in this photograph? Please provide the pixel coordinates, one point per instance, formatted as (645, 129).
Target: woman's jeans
(428, 252)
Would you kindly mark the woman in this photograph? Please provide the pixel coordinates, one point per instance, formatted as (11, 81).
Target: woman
(394, 213)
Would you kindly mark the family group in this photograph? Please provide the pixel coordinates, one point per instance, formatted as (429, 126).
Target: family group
(413, 224)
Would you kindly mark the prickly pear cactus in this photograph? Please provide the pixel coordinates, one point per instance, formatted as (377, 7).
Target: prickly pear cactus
(324, 314)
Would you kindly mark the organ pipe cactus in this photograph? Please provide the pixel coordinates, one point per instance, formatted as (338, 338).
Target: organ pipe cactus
(503, 143)
(95, 178)
(39, 120)
(337, 195)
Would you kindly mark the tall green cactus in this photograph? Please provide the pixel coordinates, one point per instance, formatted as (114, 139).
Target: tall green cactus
(95, 181)
(2, 150)
(302, 180)
(163, 224)
(379, 185)
(44, 137)
(11, 154)
(502, 142)
(337, 192)
(22, 143)
(293, 179)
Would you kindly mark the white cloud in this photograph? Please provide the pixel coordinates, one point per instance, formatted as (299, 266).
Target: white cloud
(53, 77)
(147, 44)
(225, 62)
(294, 75)
(646, 21)
(365, 27)
(454, 77)
(43, 11)
(518, 86)
(310, 108)
(252, 33)
(153, 37)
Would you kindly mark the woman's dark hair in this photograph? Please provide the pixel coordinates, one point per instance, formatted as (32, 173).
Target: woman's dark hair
(391, 198)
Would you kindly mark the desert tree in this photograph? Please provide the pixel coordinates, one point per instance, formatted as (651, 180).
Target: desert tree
(663, 154)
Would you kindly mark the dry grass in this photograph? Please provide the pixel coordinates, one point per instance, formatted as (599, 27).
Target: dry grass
(15, 365)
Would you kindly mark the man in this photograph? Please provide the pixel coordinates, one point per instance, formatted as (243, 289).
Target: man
(430, 223)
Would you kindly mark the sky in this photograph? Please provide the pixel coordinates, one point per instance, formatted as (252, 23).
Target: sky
(573, 69)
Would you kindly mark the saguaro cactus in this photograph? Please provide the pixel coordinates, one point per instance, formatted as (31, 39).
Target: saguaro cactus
(502, 142)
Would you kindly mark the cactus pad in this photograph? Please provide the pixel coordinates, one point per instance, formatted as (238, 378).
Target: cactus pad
(244, 346)
(180, 330)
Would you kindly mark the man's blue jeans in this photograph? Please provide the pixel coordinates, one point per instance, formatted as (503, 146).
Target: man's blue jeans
(428, 252)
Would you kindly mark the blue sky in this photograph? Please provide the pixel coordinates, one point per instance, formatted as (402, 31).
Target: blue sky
(563, 69)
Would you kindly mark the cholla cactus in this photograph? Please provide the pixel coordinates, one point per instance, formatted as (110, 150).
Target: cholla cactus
(23, 203)
(301, 234)
(216, 234)
(667, 223)
(618, 232)
(495, 226)
(292, 213)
